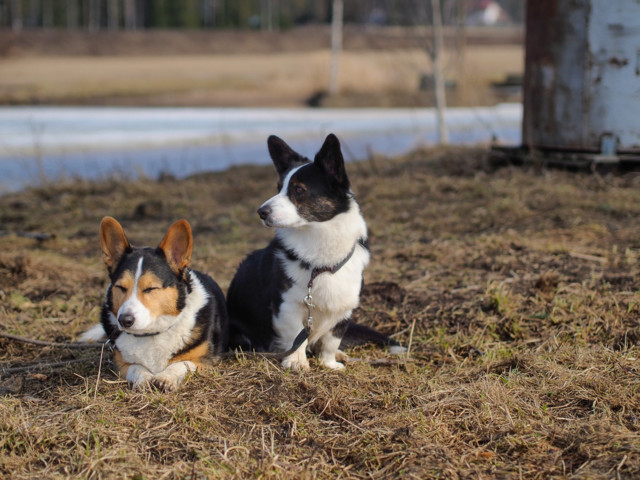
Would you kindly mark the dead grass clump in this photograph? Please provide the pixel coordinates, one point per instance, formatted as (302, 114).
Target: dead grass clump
(13, 269)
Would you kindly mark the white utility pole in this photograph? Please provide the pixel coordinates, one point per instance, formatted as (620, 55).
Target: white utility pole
(336, 47)
(438, 48)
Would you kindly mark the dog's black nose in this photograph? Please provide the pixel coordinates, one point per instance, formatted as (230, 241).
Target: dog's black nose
(264, 212)
(126, 320)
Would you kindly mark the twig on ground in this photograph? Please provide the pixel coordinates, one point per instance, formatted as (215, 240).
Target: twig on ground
(413, 326)
(50, 344)
(95, 392)
(40, 366)
(40, 236)
(591, 258)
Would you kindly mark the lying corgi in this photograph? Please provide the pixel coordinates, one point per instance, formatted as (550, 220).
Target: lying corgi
(163, 318)
(312, 270)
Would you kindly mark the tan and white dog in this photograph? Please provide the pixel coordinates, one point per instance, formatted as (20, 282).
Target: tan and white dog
(163, 318)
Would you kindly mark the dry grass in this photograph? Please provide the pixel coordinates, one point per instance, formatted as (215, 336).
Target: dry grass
(250, 79)
(523, 286)
(243, 69)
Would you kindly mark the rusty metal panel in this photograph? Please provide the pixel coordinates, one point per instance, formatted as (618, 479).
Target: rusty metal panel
(556, 39)
(582, 75)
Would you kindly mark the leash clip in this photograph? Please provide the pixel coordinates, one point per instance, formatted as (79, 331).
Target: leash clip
(111, 341)
(307, 301)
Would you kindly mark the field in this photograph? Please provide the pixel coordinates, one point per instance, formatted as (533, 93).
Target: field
(377, 68)
(515, 288)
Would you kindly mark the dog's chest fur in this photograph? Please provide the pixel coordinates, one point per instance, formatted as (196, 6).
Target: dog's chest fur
(325, 245)
(334, 295)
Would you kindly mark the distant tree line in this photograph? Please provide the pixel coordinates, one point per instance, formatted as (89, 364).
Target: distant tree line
(94, 15)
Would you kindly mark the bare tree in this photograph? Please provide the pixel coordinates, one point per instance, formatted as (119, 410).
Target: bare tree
(72, 14)
(34, 13)
(94, 15)
(16, 15)
(113, 14)
(417, 11)
(436, 60)
(130, 14)
(47, 14)
(336, 46)
(208, 13)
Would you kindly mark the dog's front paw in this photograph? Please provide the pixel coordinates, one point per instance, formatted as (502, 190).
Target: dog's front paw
(166, 382)
(172, 376)
(342, 357)
(141, 385)
(296, 362)
(332, 364)
(139, 377)
(296, 366)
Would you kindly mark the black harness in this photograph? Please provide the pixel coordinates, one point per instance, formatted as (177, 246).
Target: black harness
(291, 255)
(314, 273)
(318, 270)
(304, 333)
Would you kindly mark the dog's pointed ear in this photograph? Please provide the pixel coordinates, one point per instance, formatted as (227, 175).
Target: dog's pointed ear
(177, 245)
(283, 156)
(330, 159)
(114, 242)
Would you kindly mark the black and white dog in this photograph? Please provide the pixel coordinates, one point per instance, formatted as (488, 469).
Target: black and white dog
(319, 252)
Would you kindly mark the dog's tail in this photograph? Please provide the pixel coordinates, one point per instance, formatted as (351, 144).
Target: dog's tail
(360, 335)
(95, 334)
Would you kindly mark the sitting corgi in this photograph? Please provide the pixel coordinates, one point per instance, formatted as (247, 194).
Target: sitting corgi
(310, 275)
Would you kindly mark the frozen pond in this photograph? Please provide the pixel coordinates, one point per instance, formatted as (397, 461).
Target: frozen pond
(39, 144)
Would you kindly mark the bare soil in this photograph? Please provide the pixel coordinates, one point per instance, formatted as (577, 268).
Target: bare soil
(516, 289)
